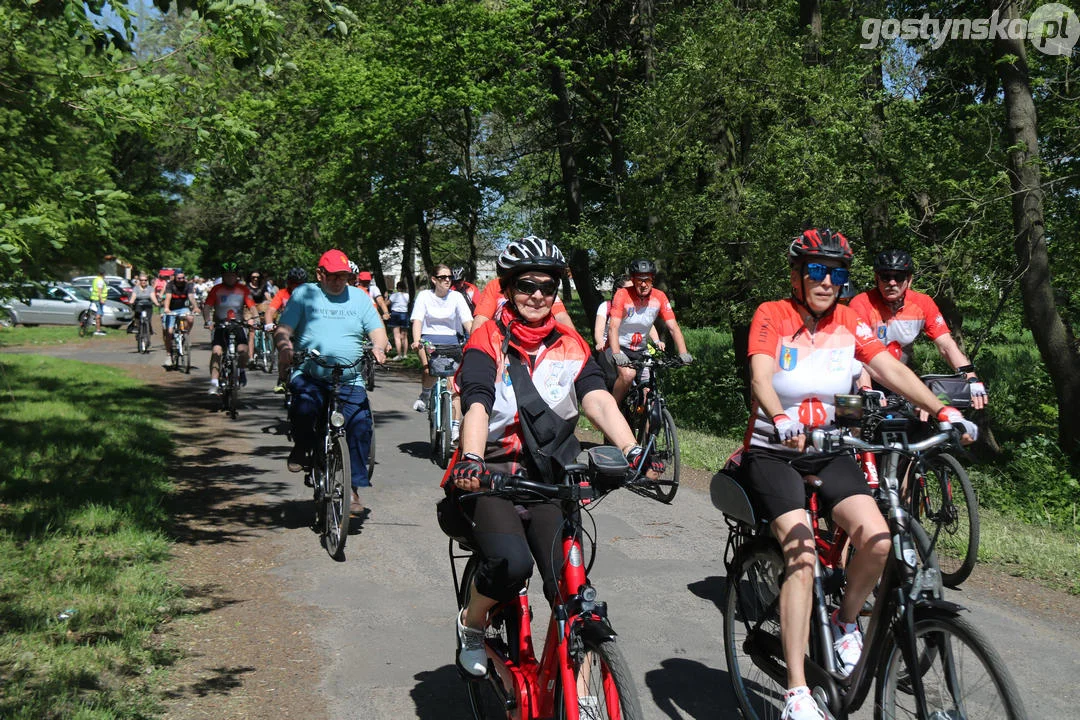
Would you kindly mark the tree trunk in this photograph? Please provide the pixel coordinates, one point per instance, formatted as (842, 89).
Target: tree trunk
(472, 222)
(1051, 334)
(571, 182)
(424, 233)
(408, 269)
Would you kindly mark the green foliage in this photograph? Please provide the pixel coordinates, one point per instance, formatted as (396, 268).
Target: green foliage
(82, 547)
(1037, 486)
(707, 395)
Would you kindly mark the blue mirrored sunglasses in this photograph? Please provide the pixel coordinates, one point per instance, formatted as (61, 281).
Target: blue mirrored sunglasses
(817, 273)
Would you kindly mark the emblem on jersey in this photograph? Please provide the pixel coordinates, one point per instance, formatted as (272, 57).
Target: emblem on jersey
(788, 357)
(506, 377)
(836, 361)
(629, 311)
(882, 331)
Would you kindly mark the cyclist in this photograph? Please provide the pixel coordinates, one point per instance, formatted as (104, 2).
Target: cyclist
(898, 314)
(333, 318)
(463, 286)
(143, 296)
(261, 294)
(363, 281)
(179, 303)
(99, 293)
(600, 332)
(297, 276)
(229, 294)
(801, 353)
(492, 298)
(634, 311)
(525, 337)
(439, 317)
(399, 319)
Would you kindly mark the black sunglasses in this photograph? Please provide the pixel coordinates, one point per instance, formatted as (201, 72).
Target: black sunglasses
(896, 277)
(441, 277)
(527, 287)
(817, 273)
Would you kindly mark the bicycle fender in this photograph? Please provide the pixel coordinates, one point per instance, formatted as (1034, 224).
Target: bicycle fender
(932, 603)
(598, 630)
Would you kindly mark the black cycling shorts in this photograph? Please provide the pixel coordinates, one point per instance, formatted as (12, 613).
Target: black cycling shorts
(774, 481)
(221, 341)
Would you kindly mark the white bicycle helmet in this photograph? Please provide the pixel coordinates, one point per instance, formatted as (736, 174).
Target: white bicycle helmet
(354, 268)
(530, 253)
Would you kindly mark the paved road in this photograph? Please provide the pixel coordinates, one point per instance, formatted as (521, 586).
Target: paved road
(387, 642)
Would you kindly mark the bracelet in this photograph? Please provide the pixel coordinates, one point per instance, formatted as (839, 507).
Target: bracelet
(474, 457)
(969, 368)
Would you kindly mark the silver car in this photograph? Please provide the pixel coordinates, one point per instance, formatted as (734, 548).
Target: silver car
(54, 304)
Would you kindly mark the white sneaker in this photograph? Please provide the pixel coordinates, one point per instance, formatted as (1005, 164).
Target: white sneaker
(455, 430)
(214, 388)
(847, 642)
(419, 405)
(800, 705)
(589, 707)
(472, 657)
(166, 363)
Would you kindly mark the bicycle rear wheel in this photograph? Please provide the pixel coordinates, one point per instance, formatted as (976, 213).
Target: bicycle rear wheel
(86, 320)
(371, 455)
(965, 677)
(666, 450)
(338, 498)
(486, 695)
(944, 501)
(368, 370)
(752, 631)
(605, 685)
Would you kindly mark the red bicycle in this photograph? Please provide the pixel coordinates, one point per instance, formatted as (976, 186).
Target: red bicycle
(582, 674)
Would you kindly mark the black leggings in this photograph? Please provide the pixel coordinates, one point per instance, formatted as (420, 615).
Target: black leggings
(508, 537)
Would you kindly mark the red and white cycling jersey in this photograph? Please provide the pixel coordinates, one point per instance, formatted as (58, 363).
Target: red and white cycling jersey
(491, 298)
(555, 368)
(638, 315)
(809, 368)
(235, 298)
(899, 330)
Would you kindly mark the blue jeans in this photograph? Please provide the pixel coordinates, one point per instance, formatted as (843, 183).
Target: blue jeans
(308, 413)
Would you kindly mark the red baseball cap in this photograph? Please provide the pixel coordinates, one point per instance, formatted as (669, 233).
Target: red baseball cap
(334, 261)
(364, 275)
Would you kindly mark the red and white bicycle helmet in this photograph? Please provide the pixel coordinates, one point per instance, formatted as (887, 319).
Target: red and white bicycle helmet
(530, 253)
(814, 244)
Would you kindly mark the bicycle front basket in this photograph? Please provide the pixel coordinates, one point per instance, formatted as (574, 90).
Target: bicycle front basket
(443, 361)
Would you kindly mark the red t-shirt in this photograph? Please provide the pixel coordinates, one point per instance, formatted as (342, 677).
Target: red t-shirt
(235, 298)
(809, 369)
(899, 330)
(637, 315)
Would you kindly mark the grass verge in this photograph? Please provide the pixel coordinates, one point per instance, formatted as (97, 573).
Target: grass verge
(20, 336)
(82, 541)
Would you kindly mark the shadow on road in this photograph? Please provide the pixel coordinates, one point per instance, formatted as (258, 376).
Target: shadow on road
(682, 688)
(416, 449)
(222, 682)
(711, 588)
(440, 694)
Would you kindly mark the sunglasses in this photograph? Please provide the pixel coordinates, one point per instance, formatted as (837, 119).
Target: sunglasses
(229, 267)
(643, 278)
(528, 287)
(896, 277)
(817, 273)
(441, 277)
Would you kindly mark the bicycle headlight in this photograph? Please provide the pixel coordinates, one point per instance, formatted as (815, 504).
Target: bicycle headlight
(337, 419)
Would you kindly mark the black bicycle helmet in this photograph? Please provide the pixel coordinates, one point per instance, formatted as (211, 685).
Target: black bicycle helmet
(641, 266)
(530, 253)
(894, 260)
(296, 275)
(814, 244)
(457, 274)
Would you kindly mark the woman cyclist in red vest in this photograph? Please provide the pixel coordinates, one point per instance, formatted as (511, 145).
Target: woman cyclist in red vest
(561, 369)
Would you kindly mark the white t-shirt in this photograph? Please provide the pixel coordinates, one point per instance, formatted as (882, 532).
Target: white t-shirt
(373, 290)
(399, 302)
(441, 315)
(602, 311)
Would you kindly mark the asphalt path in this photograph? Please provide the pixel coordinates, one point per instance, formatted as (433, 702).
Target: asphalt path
(387, 638)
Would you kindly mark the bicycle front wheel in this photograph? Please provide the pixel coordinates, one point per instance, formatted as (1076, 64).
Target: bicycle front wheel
(446, 417)
(666, 450)
(338, 498)
(185, 352)
(605, 685)
(368, 369)
(752, 631)
(962, 675)
(943, 500)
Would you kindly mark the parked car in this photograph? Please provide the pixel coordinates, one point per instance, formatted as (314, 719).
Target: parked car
(119, 288)
(55, 304)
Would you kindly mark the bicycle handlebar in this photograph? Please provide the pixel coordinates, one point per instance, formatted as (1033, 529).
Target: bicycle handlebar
(655, 361)
(501, 483)
(300, 356)
(837, 440)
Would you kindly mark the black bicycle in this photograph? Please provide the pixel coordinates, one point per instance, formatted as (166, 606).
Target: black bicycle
(144, 332)
(929, 662)
(330, 471)
(181, 347)
(646, 411)
(367, 365)
(229, 373)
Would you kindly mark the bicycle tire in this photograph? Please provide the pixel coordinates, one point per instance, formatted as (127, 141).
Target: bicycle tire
(604, 682)
(369, 372)
(338, 498)
(955, 523)
(752, 597)
(666, 450)
(501, 635)
(371, 454)
(142, 337)
(446, 442)
(432, 411)
(185, 353)
(992, 693)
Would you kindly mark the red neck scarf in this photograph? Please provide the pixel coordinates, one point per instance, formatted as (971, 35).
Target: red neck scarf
(527, 337)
